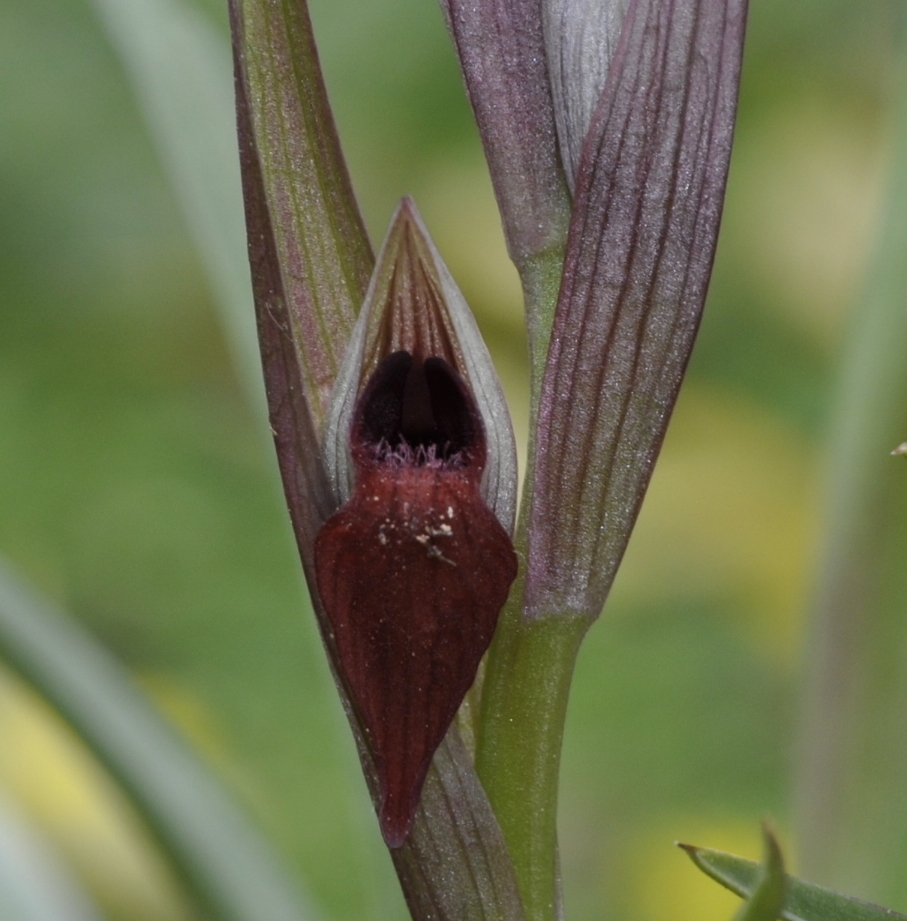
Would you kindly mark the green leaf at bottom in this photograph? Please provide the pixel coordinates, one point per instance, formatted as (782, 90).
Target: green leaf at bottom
(802, 901)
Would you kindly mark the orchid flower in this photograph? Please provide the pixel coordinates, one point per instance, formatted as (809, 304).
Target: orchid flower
(607, 126)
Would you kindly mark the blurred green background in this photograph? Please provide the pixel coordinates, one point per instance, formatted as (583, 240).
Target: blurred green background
(135, 488)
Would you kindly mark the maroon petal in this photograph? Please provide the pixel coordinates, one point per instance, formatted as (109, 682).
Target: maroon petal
(642, 239)
(412, 571)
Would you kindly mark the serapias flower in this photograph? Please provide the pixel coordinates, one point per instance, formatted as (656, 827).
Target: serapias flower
(413, 570)
(311, 264)
(415, 567)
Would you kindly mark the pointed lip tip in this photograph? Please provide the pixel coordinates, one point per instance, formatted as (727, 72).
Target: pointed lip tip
(394, 843)
(395, 828)
(394, 838)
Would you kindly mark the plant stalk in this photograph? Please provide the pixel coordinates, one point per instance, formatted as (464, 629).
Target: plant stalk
(528, 675)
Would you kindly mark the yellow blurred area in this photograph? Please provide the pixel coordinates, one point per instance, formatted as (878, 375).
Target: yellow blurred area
(187, 712)
(201, 728)
(732, 508)
(810, 188)
(666, 884)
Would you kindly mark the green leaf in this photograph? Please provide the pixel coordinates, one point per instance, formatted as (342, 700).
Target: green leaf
(802, 901)
(223, 861)
(767, 899)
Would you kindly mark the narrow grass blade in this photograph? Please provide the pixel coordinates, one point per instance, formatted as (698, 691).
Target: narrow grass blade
(224, 862)
(851, 808)
(182, 74)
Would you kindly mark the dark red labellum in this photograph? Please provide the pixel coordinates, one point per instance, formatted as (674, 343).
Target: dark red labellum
(413, 570)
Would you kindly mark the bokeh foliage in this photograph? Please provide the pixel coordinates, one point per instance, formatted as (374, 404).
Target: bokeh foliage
(136, 490)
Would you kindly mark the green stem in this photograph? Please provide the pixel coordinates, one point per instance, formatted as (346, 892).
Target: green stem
(525, 696)
(541, 277)
(528, 675)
